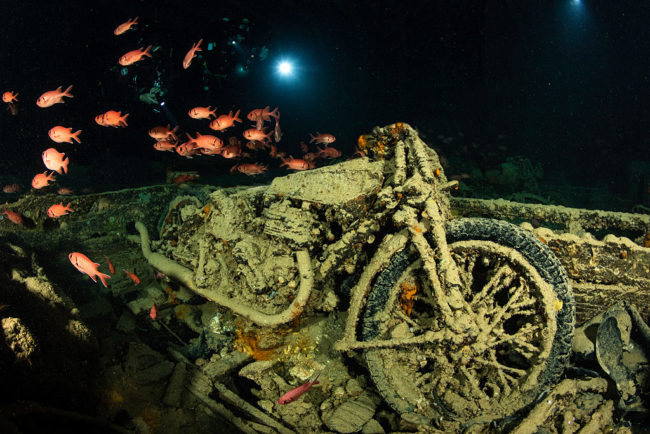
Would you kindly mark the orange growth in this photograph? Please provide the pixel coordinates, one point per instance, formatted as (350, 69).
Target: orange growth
(249, 343)
(407, 296)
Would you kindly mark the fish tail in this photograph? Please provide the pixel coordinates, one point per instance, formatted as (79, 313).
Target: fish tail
(103, 276)
(312, 138)
(67, 92)
(275, 113)
(236, 118)
(76, 136)
(64, 164)
(147, 51)
(123, 120)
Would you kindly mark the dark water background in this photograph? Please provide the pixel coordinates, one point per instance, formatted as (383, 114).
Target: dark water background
(563, 83)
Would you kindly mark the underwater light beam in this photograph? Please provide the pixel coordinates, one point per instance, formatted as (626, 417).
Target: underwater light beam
(285, 68)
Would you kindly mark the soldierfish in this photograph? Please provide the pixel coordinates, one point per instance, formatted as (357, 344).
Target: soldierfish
(40, 180)
(13, 216)
(322, 138)
(86, 266)
(112, 118)
(224, 122)
(296, 392)
(134, 56)
(202, 112)
(54, 160)
(111, 268)
(61, 134)
(132, 276)
(52, 97)
(191, 54)
(263, 114)
(10, 97)
(125, 26)
(255, 134)
(58, 210)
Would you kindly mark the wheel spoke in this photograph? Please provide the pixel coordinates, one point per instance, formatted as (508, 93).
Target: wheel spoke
(501, 278)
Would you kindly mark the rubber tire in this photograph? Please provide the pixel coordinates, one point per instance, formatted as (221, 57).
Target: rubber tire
(536, 253)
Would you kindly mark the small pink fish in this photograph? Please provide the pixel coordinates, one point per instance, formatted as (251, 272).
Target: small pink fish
(191, 54)
(322, 138)
(296, 392)
(125, 26)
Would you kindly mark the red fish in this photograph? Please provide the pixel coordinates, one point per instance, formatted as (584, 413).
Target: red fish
(277, 132)
(61, 134)
(296, 163)
(41, 180)
(296, 392)
(329, 152)
(86, 266)
(322, 138)
(54, 160)
(188, 149)
(58, 210)
(249, 168)
(153, 313)
(110, 265)
(164, 145)
(180, 179)
(12, 188)
(164, 133)
(10, 97)
(202, 112)
(134, 56)
(223, 122)
(255, 134)
(125, 26)
(264, 114)
(191, 54)
(52, 97)
(207, 141)
(112, 118)
(231, 151)
(13, 216)
(132, 276)
(64, 191)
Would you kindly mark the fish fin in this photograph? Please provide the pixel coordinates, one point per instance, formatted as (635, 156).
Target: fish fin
(103, 276)
(64, 164)
(67, 91)
(76, 136)
(92, 277)
(236, 117)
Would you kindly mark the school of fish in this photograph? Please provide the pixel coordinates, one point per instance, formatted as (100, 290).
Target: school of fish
(257, 137)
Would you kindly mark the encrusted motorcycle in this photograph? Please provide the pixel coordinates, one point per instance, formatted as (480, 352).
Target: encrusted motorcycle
(461, 319)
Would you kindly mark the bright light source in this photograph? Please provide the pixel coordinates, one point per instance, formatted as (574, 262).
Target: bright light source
(285, 68)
